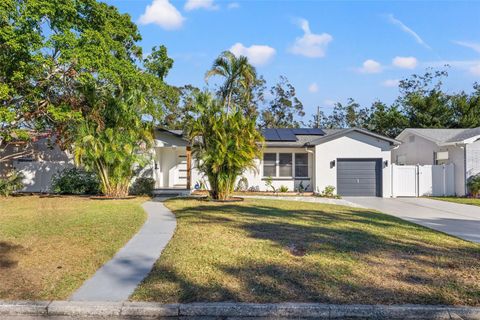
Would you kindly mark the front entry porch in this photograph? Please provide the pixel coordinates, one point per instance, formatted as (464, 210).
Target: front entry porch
(172, 168)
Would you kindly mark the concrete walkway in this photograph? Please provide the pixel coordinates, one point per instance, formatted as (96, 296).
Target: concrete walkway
(119, 277)
(459, 220)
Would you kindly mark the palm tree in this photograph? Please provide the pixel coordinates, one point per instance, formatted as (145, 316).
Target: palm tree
(224, 144)
(239, 75)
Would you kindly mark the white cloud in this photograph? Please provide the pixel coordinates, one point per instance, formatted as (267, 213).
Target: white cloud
(472, 45)
(371, 66)
(233, 5)
(475, 70)
(405, 62)
(200, 4)
(162, 13)
(391, 83)
(257, 54)
(407, 30)
(310, 44)
(313, 87)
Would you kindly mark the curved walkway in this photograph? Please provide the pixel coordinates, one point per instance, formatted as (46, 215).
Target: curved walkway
(118, 278)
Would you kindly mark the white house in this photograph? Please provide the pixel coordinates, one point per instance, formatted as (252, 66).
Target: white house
(460, 147)
(355, 161)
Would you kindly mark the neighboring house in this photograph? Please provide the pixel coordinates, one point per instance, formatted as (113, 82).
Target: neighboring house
(460, 147)
(354, 161)
(38, 159)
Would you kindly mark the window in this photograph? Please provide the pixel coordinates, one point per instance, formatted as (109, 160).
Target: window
(401, 159)
(285, 165)
(441, 157)
(301, 165)
(411, 139)
(269, 164)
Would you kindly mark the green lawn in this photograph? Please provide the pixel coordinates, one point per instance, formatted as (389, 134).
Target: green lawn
(471, 201)
(273, 251)
(50, 246)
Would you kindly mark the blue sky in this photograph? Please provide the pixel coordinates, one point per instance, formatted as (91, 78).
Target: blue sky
(329, 51)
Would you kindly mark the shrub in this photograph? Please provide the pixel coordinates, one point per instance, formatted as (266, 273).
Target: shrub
(143, 186)
(242, 184)
(473, 185)
(12, 183)
(75, 181)
(283, 188)
(301, 188)
(328, 192)
(269, 184)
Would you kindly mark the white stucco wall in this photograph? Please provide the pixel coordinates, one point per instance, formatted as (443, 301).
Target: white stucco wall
(419, 151)
(422, 152)
(353, 145)
(256, 179)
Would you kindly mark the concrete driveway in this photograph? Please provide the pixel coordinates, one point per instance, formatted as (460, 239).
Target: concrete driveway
(459, 220)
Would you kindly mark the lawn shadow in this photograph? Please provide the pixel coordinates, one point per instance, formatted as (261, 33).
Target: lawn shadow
(7, 251)
(342, 250)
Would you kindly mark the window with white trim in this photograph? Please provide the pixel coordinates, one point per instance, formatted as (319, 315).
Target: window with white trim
(269, 164)
(301, 165)
(285, 165)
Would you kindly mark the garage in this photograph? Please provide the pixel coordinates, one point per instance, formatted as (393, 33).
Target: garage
(359, 177)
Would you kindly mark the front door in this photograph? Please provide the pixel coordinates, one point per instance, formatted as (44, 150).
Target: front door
(180, 171)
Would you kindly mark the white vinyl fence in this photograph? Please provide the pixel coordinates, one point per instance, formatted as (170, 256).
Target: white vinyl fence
(38, 174)
(419, 181)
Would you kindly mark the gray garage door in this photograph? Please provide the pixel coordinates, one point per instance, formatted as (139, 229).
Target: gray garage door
(359, 177)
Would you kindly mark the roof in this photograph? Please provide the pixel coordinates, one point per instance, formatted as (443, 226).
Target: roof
(336, 133)
(174, 132)
(302, 137)
(290, 137)
(444, 136)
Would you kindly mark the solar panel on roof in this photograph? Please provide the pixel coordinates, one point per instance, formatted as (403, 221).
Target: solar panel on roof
(271, 135)
(286, 135)
(308, 131)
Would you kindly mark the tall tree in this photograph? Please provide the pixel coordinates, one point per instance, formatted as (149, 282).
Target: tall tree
(178, 114)
(466, 108)
(51, 52)
(423, 101)
(386, 120)
(75, 68)
(346, 115)
(239, 78)
(225, 144)
(284, 108)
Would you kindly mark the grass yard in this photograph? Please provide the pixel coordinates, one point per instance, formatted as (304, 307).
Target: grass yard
(471, 201)
(273, 251)
(49, 246)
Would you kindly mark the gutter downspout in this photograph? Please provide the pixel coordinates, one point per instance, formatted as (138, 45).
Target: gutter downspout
(314, 178)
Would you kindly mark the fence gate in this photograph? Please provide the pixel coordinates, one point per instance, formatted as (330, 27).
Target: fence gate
(404, 180)
(420, 181)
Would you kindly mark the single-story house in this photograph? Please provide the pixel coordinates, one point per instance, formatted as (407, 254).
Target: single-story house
(460, 147)
(354, 161)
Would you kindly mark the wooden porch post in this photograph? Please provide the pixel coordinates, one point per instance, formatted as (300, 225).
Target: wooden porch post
(189, 167)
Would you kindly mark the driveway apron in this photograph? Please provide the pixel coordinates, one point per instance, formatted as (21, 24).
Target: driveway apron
(459, 220)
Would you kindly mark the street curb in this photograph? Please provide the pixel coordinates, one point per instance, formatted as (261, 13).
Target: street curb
(229, 310)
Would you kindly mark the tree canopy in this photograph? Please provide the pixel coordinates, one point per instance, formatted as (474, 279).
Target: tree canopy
(75, 68)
